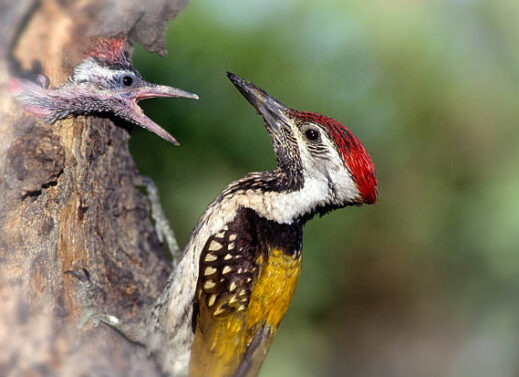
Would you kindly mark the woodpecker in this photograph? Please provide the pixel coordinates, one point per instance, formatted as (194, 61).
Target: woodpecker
(223, 303)
(103, 82)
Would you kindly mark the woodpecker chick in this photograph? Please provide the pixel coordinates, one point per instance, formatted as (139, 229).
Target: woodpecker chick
(222, 306)
(104, 82)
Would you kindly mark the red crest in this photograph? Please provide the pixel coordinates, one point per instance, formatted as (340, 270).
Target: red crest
(353, 153)
(109, 50)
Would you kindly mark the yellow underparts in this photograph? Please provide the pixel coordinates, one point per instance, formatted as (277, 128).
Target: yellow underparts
(221, 341)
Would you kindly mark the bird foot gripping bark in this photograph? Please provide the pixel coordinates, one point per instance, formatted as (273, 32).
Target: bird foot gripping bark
(87, 293)
(93, 315)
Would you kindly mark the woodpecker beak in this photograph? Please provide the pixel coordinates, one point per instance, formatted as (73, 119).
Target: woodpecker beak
(272, 111)
(134, 113)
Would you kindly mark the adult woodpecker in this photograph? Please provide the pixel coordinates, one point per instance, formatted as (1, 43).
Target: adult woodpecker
(103, 82)
(222, 305)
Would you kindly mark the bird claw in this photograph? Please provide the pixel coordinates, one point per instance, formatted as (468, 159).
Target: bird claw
(83, 276)
(95, 317)
(87, 292)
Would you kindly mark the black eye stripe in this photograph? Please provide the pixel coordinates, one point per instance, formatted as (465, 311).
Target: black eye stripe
(319, 151)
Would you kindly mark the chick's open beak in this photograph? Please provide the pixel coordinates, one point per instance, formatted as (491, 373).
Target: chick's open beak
(134, 113)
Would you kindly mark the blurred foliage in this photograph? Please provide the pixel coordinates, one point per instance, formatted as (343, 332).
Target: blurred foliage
(425, 283)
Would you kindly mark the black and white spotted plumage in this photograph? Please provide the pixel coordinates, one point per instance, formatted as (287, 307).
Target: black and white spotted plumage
(228, 261)
(227, 267)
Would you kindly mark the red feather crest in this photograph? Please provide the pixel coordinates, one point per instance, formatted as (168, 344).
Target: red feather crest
(352, 151)
(109, 50)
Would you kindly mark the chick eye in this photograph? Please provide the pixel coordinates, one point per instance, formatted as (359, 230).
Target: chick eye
(127, 80)
(312, 134)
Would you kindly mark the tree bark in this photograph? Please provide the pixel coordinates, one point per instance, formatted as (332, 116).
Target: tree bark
(69, 200)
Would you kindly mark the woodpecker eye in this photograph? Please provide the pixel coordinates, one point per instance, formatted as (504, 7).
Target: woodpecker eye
(312, 134)
(127, 80)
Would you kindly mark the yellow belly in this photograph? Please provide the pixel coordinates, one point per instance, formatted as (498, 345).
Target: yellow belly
(221, 342)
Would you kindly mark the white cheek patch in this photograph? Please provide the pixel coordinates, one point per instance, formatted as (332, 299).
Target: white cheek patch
(341, 178)
(90, 71)
(330, 169)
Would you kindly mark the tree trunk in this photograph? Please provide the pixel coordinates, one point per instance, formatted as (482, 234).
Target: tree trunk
(69, 200)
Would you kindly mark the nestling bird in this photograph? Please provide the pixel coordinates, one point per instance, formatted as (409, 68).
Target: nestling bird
(104, 82)
(222, 305)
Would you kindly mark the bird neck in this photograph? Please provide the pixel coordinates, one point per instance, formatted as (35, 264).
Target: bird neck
(279, 195)
(71, 99)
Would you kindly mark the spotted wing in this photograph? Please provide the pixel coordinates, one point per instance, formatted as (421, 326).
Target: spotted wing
(227, 269)
(248, 274)
(228, 266)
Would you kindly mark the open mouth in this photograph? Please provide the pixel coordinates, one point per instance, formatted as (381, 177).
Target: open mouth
(137, 116)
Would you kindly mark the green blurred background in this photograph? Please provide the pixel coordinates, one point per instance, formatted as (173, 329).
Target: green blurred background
(425, 283)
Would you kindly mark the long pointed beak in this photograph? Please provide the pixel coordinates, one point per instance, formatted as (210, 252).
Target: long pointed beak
(137, 116)
(273, 112)
(153, 91)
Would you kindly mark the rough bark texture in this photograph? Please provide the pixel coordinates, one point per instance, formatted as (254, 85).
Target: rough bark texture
(69, 200)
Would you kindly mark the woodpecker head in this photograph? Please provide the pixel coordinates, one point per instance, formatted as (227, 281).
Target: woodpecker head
(317, 156)
(104, 82)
